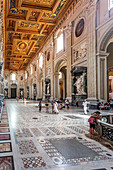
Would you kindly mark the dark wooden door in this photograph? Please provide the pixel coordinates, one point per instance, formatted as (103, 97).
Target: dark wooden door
(13, 93)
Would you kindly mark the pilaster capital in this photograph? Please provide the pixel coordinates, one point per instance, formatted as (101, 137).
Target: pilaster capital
(102, 54)
(56, 74)
(67, 30)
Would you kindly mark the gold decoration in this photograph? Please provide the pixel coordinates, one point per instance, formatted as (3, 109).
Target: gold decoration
(22, 46)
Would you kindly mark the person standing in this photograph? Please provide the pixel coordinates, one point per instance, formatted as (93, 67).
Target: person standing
(40, 106)
(67, 103)
(76, 103)
(86, 106)
(47, 104)
(92, 121)
(52, 105)
(55, 107)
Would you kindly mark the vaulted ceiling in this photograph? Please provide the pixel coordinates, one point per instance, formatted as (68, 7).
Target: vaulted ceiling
(28, 23)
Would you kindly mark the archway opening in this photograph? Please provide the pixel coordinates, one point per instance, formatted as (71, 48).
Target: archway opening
(62, 83)
(13, 91)
(110, 70)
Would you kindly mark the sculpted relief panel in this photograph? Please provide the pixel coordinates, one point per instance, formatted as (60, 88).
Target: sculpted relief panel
(79, 52)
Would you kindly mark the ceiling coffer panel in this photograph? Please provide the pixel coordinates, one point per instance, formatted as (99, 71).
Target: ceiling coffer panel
(28, 23)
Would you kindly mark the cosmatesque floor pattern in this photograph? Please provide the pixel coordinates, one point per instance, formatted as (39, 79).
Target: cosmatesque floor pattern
(44, 141)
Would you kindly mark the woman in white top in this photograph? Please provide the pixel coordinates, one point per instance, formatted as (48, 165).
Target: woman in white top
(55, 107)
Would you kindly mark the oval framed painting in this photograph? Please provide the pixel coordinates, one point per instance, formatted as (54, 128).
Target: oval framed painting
(79, 28)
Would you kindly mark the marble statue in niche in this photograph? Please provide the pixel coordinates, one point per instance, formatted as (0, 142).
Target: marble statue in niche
(5, 92)
(21, 93)
(48, 89)
(80, 85)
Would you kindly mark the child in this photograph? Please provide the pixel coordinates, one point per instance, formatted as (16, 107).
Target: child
(92, 120)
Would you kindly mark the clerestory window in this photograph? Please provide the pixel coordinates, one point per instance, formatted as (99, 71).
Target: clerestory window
(60, 43)
(110, 4)
(13, 76)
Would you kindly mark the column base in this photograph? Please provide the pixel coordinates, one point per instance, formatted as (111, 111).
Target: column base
(94, 103)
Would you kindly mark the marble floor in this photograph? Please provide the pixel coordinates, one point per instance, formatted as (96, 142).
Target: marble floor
(44, 141)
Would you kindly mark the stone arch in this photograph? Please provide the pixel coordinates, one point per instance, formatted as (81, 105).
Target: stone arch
(59, 64)
(105, 38)
(102, 63)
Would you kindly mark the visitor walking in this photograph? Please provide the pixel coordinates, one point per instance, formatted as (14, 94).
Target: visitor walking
(40, 106)
(56, 107)
(67, 103)
(52, 105)
(47, 104)
(76, 103)
(86, 106)
(92, 120)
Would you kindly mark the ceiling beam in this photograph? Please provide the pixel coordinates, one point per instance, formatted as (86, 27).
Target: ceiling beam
(22, 35)
(43, 27)
(28, 32)
(36, 7)
(28, 14)
(40, 16)
(55, 5)
(30, 49)
(31, 37)
(19, 3)
(42, 22)
(16, 26)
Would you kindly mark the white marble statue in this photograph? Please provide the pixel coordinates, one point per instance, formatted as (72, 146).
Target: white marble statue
(48, 89)
(79, 84)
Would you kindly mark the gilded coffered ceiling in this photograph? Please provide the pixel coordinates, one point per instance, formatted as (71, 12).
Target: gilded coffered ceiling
(28, 23)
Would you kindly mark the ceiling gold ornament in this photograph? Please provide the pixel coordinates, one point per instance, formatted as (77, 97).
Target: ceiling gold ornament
(40, 2)
(22, 46)
(28, 25)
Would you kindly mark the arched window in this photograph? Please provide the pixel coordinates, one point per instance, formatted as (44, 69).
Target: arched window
(60, 43)
(41, 61)
(13, 77)
(110, 4)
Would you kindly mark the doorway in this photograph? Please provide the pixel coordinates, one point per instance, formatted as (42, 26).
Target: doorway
(62, 83)
(110, 71)
(13, 93)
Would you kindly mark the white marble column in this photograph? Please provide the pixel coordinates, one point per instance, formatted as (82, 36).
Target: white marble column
(44, 75)
(18, 89)
(52, 72)
(91, 57)
(40, 89)
(102, 75)
(64, 86)
(68, 54)
(37, 89)
(56, 85)
(30, 91)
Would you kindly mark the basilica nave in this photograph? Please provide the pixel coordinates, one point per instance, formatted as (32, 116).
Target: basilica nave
(56, 50)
